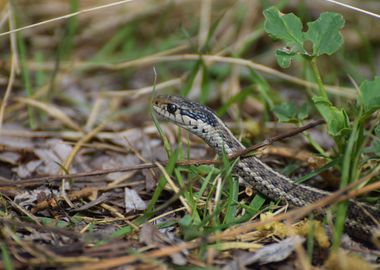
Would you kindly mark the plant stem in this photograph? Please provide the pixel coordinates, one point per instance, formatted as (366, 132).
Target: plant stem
(317, 75)
(315, 144)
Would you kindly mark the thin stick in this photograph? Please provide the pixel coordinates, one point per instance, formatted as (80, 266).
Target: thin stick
(53, 178)
(271, 140)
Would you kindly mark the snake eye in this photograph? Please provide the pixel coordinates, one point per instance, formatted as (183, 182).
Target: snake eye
(171, 108)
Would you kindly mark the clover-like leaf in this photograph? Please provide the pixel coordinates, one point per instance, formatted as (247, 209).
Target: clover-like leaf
(287, 27)
(325, 34)
(285, 57)
(370, 95)
(336, 119)
(290, 112)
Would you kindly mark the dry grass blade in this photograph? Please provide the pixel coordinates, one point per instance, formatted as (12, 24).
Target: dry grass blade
(355, 8)
(67, 16)
(52, 111)
(81, 142)
(136, 93)
(7, 91)
(164, 251)
(14, 68)
(174, 187)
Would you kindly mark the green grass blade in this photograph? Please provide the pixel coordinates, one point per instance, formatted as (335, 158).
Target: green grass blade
(318, 171)
(24, 66)
(256, 204)
(190, 80)
(108, 50)
(205, 183)
(68, 40)
(347, 174)
(162, 181)
(6, 258)
(240, 96)
(205, 85)
(263, 88)
(233, 190)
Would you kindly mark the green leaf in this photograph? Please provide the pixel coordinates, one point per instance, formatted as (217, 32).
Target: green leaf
(374, 148)
(189, 229)
(256, 204)
(377, 130)
(336, 119)
(205, 85)
(290, 112)
(370, 95)
(324, 33)
(285, 57)
(186, 220)
(287, 27)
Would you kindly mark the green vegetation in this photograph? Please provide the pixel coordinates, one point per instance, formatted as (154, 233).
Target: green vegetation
(350, 138)
(80, 102)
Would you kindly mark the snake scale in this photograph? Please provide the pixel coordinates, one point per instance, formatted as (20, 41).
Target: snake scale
(200, 120)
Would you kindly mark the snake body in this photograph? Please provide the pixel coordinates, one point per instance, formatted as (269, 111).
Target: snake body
(200, 120)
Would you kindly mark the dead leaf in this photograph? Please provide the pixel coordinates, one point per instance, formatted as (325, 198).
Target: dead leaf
(133, 201)
(150, 235)
(10, 157)
(269, 254)
(28, 199)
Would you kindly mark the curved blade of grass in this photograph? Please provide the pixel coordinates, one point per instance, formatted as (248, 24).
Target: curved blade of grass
(316, 172)
(188, 195)
(52, 111)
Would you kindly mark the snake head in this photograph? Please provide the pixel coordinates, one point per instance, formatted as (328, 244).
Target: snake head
(184, 112)
(167, 107)
(198, 119)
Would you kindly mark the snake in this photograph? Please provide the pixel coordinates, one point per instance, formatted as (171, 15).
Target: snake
(361, 218)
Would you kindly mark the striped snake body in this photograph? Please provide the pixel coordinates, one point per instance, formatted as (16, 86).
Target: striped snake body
(201, 121)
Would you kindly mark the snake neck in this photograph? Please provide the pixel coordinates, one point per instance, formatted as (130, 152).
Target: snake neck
(219, 138)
